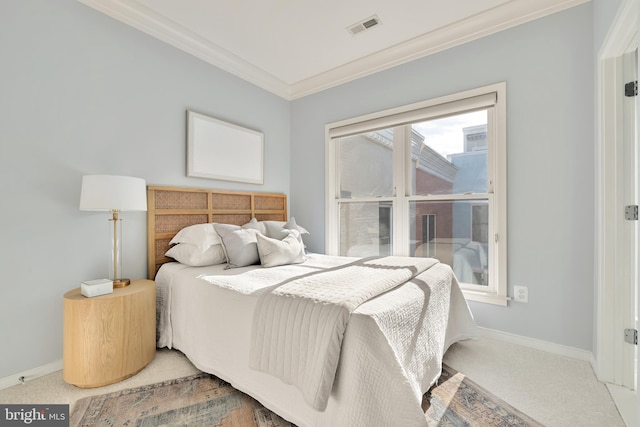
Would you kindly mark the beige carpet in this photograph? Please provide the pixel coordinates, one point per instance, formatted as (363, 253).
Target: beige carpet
(557, 391)
(205, 400)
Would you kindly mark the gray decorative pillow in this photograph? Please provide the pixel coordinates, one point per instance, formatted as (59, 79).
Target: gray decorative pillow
(239, 245)
(274, 252)
(278, 229)
(256, 225)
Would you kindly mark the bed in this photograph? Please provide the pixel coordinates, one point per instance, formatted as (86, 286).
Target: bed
(374, 371)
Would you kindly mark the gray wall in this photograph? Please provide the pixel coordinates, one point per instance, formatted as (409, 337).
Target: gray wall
(81, 93)
(604, 12)
(548, 65)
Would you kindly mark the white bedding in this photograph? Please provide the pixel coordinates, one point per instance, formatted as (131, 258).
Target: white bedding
(319, 306)
(391, 352)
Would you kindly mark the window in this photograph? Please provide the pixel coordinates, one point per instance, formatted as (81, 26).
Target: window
(425, 180)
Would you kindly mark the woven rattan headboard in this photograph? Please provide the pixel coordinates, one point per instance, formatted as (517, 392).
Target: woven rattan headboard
(169, 209)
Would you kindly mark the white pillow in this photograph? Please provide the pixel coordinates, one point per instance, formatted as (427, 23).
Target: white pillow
(201, 235)
(274, 252)
(277, 229)
(239, 244)
(191, 255)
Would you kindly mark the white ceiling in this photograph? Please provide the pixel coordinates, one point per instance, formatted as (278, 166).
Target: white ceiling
(297, 47)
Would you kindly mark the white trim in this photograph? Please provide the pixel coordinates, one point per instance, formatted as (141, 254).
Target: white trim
(622, 32)
(549, 347)
(487, 297)
(605, 262)
(30, 374)
(332, 240)
(500, 18)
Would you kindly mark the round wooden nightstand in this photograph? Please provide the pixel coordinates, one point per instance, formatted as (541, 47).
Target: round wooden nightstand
(110, 337)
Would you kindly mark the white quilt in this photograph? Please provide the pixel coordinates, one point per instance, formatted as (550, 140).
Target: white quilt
(391, 351)
(299, 324)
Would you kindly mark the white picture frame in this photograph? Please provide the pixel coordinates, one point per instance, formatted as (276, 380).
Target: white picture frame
(220, 150)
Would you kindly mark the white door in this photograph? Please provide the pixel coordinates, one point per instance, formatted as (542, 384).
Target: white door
(628, 238)
(617, 255)
(617, 250)
(636, 181)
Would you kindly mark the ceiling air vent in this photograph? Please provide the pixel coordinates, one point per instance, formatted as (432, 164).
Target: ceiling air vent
(364, 25)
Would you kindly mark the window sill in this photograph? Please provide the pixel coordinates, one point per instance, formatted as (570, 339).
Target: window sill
(486, 297)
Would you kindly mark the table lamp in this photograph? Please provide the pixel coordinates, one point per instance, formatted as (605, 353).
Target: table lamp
(114, 194)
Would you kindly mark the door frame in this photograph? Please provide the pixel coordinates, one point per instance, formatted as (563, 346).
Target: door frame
(610, 313)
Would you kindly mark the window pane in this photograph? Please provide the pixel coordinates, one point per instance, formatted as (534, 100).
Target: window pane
(454, 232)
(449, 155)
(365, 229)
(366, 164)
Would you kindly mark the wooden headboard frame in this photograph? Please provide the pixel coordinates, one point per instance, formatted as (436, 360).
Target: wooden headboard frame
(169, 209)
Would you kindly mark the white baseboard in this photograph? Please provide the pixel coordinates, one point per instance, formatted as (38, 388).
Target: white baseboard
(537, 344)
(31, 374)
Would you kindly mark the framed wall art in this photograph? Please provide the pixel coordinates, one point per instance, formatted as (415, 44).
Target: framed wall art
(220, 150)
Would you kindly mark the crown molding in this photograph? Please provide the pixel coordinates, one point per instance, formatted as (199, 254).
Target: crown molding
(483, 24)
(161, 28)
(500, 18)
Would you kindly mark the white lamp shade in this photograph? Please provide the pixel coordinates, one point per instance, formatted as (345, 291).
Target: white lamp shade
(112, 192)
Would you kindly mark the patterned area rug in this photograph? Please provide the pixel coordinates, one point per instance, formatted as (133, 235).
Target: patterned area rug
(196, 401)
(205, 400)
(456, 401)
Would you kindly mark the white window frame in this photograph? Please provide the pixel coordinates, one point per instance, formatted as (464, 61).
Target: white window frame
(496, 291)
(432, 252)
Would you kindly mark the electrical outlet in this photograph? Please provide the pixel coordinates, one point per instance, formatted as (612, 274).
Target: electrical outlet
(521, 293)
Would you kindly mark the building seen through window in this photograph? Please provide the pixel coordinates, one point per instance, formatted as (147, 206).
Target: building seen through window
(449, 163)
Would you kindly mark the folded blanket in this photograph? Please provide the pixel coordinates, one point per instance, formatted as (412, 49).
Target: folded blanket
(299, 323)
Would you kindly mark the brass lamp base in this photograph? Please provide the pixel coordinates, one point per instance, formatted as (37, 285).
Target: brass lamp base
(121, 283)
